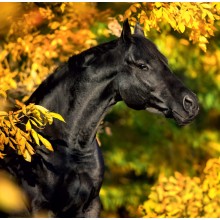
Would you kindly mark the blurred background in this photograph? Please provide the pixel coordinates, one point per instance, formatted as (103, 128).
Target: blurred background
(141, 150)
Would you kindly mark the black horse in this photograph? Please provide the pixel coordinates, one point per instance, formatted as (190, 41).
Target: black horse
(131, 69)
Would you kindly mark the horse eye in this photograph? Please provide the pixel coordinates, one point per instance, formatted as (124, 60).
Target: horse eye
(143, 66)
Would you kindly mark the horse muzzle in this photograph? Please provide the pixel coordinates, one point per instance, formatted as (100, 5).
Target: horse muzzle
(190, 109)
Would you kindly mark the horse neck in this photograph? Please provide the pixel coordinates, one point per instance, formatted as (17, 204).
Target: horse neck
(83, 100)
(87, 110)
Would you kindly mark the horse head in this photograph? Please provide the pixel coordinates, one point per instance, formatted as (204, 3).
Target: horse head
(146, 82)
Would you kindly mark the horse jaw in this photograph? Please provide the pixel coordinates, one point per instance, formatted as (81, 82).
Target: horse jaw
(154, 110)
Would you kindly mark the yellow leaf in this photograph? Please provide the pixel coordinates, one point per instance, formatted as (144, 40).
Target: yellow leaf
(41, 108)
(137, 5)
(13, 140)
(187, 17)
(133, 8)
(57, 116)
(18, 135)
(12, 198)
(54, 25)
(203, 47)
(35, 136)
(29, 148)
(6, 140)
(62, 7)
(159, 13)
(27, 156)
(2, 147)
(212, 193)
(21, 145)
(28, 126)
(7, 123)
(2, 155)
(146, 26)
(45, 142)
(37, 115)
(206, 5)
(49, 118)
(18, 103)
(211, 16)
(35, 124)
(3, 113)
(203, 39)
(6, 130)
(158, 4)
(11, 145)
(36, 120)
(3, 93)
(127, 14)
(11, 119)
(181, 27)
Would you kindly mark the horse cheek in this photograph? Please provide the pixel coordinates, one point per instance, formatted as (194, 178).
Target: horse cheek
(131, 95)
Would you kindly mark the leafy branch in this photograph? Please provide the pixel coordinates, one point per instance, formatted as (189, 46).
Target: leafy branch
(18, 129)
(194, 19)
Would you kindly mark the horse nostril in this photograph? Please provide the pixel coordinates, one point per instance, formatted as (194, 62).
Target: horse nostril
(188, 104)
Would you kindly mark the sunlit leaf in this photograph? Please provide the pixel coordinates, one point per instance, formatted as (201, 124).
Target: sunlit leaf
(41, 108)
(27, 155)
(181, 27)
(35, 136)
(28, 126)
(29, 148)
(3, 113)
(57, 116)
(45, 142)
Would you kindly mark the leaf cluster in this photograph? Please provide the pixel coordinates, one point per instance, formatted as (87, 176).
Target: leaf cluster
(196, 20)
(42, 38)
(18, 129)
(183, 196)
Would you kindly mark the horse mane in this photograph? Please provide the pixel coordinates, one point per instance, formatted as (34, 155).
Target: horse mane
(48, 84)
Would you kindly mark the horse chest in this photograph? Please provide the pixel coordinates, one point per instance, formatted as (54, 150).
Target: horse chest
(64, 182)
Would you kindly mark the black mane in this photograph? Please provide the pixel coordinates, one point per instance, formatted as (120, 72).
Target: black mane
(53, 80)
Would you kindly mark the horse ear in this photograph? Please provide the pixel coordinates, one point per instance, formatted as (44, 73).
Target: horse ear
(138, 30)
(126, 31)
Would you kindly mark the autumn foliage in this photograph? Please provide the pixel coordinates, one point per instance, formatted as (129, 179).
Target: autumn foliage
(149, 160)
(182, 196)
(28, 55)
(182, 17)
